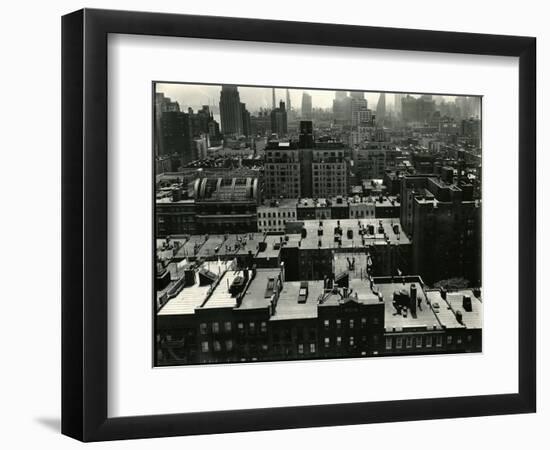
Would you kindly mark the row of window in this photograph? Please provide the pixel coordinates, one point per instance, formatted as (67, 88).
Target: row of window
(391, 342)
(338, 341)
(421, 341)
(276, 214)
(215, 327)
(351, 323)
(268, 223)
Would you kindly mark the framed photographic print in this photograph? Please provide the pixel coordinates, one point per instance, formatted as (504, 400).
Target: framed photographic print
(274, 224)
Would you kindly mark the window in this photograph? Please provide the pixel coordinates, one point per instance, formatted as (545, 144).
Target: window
(338, 323)
(439, 340)
(204, 346)
(428, 341)
(449, 340)
(399, 342)
(351, 341)
(203, 328)
(217, 346)
(363, 322)
(459, 340)
(418, 341)
(327, 324)
(469, 338)
(229, 345)
(263, 327)
(327, 342)
(215, 327)
(389, 343)
(408, 342)
(338, 340)
(375, 321)
(312, 348)
(351, 323)
(301, 349)
(240, 326)
(227, 326)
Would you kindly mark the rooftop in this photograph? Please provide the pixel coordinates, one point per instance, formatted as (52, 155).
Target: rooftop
(448, 308)
(191, 297)
(424, 317)
(351, 238)
(258, 295)
(360, 293)
(192, 246)
(273, 247)
(249, 242)
(354, 263)
(211, 246)
(288, 307)
(221, 297)
(279, 203)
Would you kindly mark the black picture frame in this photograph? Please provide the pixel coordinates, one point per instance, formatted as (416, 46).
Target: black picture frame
(84, 224)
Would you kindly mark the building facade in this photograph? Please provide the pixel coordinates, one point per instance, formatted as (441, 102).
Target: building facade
(443, 220)
(231, 113)
(222, 314)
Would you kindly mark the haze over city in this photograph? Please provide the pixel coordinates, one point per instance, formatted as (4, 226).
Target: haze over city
(304, 224)
(194, 96)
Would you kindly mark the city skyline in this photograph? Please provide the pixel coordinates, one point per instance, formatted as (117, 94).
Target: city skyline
(256, 97)
(348, 231)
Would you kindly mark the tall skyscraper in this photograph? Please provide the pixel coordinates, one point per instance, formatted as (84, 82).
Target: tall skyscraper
(341, 108)
(306, 106)
(162, 104)
(288, 104)
(340, 95)
(231, 114)
(176, 135)
(273, 101)
(381, 108)
(279, 120)
(397, 102)
(306, 134)
(360, 113)
(246, 119)
(417, 109)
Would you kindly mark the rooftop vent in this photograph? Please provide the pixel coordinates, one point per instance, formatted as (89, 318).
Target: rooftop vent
(303, 292)
(467, 303)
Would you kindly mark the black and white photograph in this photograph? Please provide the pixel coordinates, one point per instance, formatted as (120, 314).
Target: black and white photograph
(305, 223)
(249, 225)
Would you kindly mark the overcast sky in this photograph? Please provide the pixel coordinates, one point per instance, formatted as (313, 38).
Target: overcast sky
(195, 95)
(254, 97)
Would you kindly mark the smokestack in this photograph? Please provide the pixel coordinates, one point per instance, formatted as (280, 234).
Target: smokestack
(413, 299)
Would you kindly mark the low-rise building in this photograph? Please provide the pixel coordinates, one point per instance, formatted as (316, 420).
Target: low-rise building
(274, 214)
(220, 313)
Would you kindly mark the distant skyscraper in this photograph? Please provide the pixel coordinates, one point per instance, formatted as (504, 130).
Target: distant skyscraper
(246, 120)
(306, 106)
(417, 109)
(273, 101)
(340, 95)
(279, 120)
(231, 111)
(397, 102)
(176, 135)
(162, 104)
(341, 108)
(358, 95)
(288, 104)
(360, 113)
(381, 107)
(306, 134)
